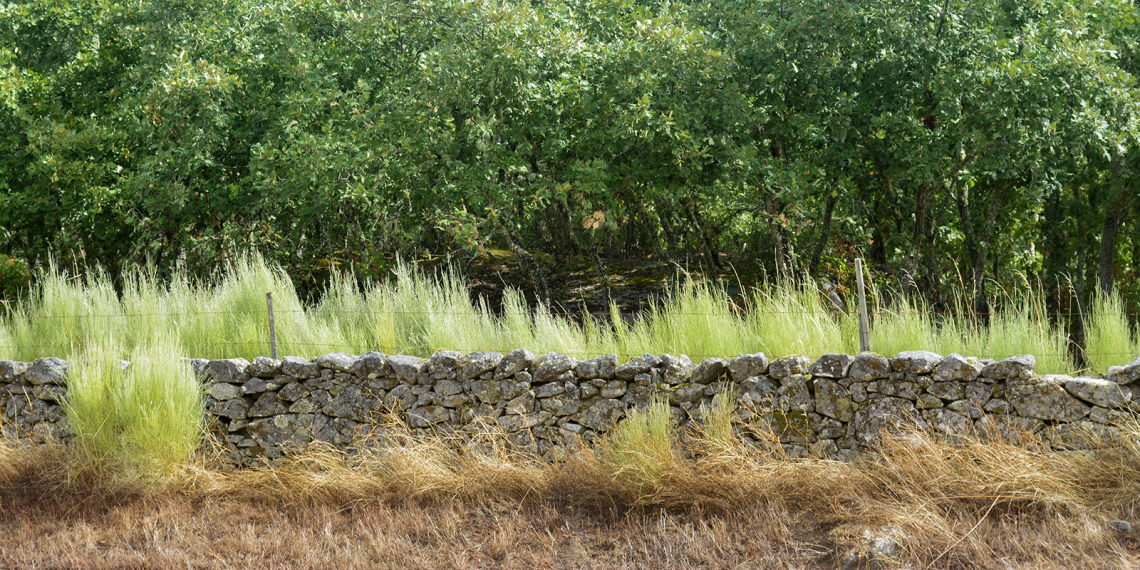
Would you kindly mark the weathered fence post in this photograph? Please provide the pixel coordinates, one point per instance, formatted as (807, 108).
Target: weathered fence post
(273, 326)
(864, 330)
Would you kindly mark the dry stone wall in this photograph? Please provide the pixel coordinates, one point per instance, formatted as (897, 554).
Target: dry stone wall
(836, 406)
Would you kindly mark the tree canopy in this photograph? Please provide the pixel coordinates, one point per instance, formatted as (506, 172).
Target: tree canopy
(950, 142)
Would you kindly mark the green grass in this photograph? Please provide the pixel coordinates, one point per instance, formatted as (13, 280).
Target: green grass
(147, 416)
(641, 449)
(1109, 341)
(416, 313)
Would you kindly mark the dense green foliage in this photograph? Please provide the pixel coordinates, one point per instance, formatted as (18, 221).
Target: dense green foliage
(952, 143)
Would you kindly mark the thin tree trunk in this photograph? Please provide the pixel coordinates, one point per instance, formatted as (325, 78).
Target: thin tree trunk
(1117, 211)
(825, 233)
(529, 264)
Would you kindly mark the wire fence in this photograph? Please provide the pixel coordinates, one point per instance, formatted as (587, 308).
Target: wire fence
(222, 346)
(500, 314)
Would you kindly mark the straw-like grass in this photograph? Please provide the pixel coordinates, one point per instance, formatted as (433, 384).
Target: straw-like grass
(978, 502)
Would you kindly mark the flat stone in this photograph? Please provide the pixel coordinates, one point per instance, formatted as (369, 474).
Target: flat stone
(46, 371)
(1011, 368)
(407, 368)
(639, 365)
(230, 371)
(967, 408)
(477, 363)
(551, 389)
(551, 365)
(400, 398)
(234, 409)
(884, 415)
(690, 393)
(952, 390)
(336, 361)
(448, 387)
(514, 362)
(709, 370)
(292, 390)
(444, 361)
(607, 366)
(513, 388)
(277, 432)
(1126, 374)
(54, 393)
(613, 389)
(428, 416)
(899, 388)
(563, 404)
(1103, 393)
(1009, 428)
(454, 401)
(998, 406)
(1109, 417)
(758, 392)
(916, 361)
(602, 367)
(298, 367)
(267, 405)
(372, 365)
(979, 392)
(949, 422)
(794, 395)
(869, 366)
(526, 421)
(957, 368)
(746, 366)
(833, 401)
(787, 366)
(264, 367)
(487, 391)
(831, 365)
(929, 402)
(223, 391)
(602, 415)
(876, 550)
(10, 369)
(523, 404)
(680, 370)
(258, 385)
(1045, 400)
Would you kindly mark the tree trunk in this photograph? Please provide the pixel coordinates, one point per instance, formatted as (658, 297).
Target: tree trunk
(825, 233)
(1117, 210)
(529, 264)
(977, 244)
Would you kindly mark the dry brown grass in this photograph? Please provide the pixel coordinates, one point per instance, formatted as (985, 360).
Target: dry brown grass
(405, 502)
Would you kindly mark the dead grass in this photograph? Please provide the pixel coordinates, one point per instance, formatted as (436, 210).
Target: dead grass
(406, 502)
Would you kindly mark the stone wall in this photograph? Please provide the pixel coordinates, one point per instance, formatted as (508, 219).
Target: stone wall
(836, 406)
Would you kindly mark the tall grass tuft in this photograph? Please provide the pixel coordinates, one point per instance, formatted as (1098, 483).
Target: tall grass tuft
(147, 416)
(1109, 340)
(642, 449)
(790, 319)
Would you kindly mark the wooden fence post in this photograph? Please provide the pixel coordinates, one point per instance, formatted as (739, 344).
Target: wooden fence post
(273, 327)
(864, 328)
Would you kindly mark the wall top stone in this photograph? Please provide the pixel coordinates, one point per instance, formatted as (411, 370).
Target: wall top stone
(869, 366)
(1126, 374)
(832, 365)
(1012, 368)
(916, 361)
